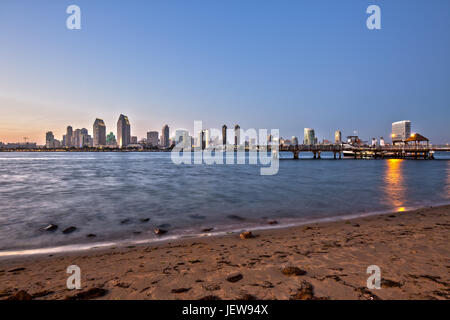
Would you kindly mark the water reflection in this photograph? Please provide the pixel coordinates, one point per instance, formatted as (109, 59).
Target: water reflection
(394, 184)
(448, 180)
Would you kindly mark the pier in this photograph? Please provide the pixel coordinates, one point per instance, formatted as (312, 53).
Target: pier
(362, 152)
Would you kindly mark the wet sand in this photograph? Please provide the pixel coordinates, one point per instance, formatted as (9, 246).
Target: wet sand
(317, 261)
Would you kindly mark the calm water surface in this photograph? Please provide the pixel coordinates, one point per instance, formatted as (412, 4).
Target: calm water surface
(107, 194)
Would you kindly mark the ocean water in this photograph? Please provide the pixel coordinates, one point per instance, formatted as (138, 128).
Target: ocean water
(111, 194)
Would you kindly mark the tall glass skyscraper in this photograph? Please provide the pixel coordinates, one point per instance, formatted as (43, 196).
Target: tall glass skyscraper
(123, 131)
(152, 138)
(224, 134)
(309, 136)
(69, 137)
(237, 135)
(99, 133)
(165, 136)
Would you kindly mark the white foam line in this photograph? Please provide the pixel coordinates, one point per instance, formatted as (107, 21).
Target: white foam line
(124, 243)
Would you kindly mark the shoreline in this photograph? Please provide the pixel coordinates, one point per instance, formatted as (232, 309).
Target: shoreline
(411, 248)
(80, 247)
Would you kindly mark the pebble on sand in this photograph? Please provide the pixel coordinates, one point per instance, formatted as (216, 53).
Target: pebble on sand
(159, 231)
(69, 230)
(293, 271)
(246, 235)
(51, 227)
(235, 278)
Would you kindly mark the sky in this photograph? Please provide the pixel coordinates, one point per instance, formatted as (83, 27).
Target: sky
(262, 64)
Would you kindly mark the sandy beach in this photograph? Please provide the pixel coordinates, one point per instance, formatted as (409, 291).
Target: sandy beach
(316, 261)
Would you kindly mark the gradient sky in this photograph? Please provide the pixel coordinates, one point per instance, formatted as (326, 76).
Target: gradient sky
(263, 64)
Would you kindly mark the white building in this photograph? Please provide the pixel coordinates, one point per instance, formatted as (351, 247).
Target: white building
(401, 130)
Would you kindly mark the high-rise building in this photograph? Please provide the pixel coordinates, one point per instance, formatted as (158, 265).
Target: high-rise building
(165, 136)
(99, 133)
(134, 140)
(237, 135)
(294, 140)
(84, 139)
(374, 142)
(76, 138)
(111, 140)
(207, 138)
(49, 140)
(123, 131)
(309, 136)
(224, 134)
(69, 137)
(152, 138)
(401, 130)
(337, 137)
(201, 140)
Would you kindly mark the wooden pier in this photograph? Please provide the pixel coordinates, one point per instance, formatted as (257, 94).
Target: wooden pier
(396, 151)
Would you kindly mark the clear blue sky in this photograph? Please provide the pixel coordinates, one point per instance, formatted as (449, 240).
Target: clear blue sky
(262, 64)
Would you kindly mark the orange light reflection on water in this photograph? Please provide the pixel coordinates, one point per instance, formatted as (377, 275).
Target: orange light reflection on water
(394, 184)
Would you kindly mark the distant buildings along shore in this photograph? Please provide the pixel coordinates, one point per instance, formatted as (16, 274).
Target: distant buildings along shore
(205, 138)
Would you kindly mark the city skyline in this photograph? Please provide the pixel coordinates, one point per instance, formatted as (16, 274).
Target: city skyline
(290, 66)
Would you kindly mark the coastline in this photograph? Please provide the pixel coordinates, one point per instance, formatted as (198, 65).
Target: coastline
(411, 249)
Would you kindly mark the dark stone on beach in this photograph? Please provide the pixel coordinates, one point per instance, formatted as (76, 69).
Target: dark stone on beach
(125, 221)
(305, 292)
(210, 297)
(91, 235)
(145, 220)
(207, 229)
(51, 227)
(89, 294)
(272, 222)
(195, 261)
(235, 278)
(211, 287)
(42, 294)
(137, 232)
(16, 269)
(356, 225)
(180, 290)
(20, 295)
(160, 232)
(293, 271)
(246, 235)
(386, 283)
(69, 230)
